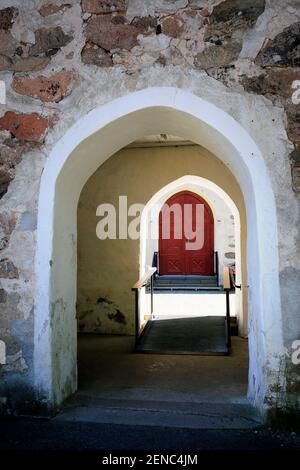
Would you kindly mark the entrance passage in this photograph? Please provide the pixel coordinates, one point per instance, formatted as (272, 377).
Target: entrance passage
(179, 252)
(120, 387)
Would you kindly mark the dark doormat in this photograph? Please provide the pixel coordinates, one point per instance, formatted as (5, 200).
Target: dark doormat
(205, 335)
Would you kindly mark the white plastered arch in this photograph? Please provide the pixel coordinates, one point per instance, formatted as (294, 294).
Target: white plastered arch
(77, 155)
(195, 184)
(191, 183)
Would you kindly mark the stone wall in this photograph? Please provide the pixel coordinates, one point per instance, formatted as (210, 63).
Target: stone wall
(60, 59)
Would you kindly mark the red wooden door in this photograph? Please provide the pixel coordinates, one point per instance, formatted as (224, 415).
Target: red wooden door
(175, 257)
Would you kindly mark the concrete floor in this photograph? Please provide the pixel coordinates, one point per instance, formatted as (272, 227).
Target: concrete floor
(119, 387)
(152, 403)
(109, 370)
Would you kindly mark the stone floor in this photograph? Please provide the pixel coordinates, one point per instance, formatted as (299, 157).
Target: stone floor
(109, 369)
(117, 386)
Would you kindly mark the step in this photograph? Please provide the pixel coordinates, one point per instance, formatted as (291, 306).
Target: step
(171, 288)
(189, 281)
(182, 281)
(183, 285)
(205, 415)
(185, 277)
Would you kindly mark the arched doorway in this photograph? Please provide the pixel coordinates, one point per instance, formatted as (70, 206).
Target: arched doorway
(98, 135)
(211, 192)
(181, 253)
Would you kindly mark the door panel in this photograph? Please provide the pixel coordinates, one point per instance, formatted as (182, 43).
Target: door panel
(174, 256)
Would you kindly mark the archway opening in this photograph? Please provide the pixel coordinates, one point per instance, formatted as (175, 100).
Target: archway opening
(77, 155)
(229, 243)
(105, 309)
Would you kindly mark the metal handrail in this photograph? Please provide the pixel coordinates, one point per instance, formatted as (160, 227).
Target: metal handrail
(227, 289)
(236, 286)
(144, 279)
(155, 261)
(142, 282)
(217, 266)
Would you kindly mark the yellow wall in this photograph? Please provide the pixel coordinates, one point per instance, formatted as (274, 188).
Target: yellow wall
(107, 269)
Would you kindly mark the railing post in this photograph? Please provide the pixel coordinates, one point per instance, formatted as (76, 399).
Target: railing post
(140, 284)
(228, 319)
(151, 291)
(217, 266)
(227, 287)
(137, 317)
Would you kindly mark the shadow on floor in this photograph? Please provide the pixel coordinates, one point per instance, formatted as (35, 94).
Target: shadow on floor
(118, 386)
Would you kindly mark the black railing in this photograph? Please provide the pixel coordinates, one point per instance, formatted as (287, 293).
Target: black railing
(155, 261)
(227, 289)
(140, 284)
(232, 280)
(216, 267)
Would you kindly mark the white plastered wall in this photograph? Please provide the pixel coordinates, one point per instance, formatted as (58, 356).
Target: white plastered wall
(111, 127)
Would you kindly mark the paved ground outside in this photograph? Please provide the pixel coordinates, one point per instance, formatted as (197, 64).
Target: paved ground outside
(45, 442)
(137, 404)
